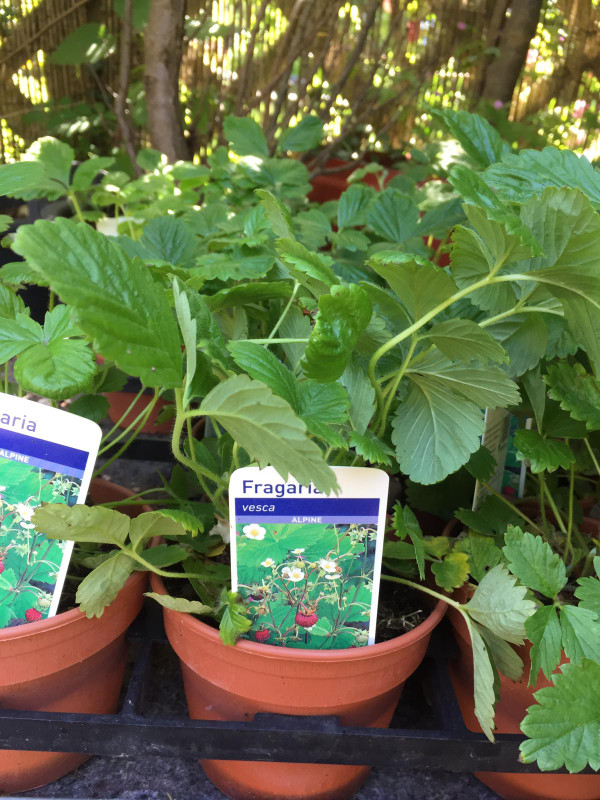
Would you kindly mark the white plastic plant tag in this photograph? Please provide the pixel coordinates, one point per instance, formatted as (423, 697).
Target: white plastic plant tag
(308, 565)
(46, 455)
(498, 437)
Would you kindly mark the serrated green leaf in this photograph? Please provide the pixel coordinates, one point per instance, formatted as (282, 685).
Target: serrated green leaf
(181, 520)
(588, 593)
(22, 177)
(483, 554)
(180, 604)
(277, 214)
(168, 239)
(418, 283)
(532, 561)
(452, 572)
(324, 431)
(370, 448)
(263, 366)
(361, 394)
(564, 727)
(543, 630)
(519, 177)
(87, 171)
(247, 293)
(305, 262)
(116, 300)
(165, 555)
(544, 455)
(189, 334)
(491, 517)
(227, 266)
(481, 465)
(305, 135)
(435, 431)
(267, 428)
(98, 589)
(58, 370)
(576, 391)
(580, 633)
(500, 604)
(245, 136)
(503, 656)
(535, 388)
(393, 216)
(483, 682)
(406, 524)
(16, 335)
(82, 523)
(343, 316)
(525, 338)
(327, 402)
(464, 340)
(398, 551)
(90, 406)
(479, 140)
(353, 205)
(233, 621)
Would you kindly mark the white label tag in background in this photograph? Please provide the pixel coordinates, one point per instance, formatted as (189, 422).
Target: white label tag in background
(46, 455)
(308, 565)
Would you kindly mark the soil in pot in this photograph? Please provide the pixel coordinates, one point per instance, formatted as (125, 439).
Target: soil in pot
(359, 685)
(66, 663)
(510, 711)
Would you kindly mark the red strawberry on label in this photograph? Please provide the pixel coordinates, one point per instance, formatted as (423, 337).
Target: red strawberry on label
(1, 567)
(262, 635)
(306, 620)
(33, 615)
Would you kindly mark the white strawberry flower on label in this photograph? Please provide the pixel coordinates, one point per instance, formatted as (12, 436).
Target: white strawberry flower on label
(298, 551)
(293, 574)
(24, 511)
(254, 531)
(327, 565)
(331, 577)
(268, 562)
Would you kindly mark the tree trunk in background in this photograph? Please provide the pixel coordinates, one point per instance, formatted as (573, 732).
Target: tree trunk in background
(163, 50)
(518, 30)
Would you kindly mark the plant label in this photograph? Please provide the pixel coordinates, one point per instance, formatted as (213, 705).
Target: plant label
(308, 565)
(46, 456)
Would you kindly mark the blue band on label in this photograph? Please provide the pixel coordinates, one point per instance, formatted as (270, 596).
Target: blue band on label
(304, 519)
(59, 457)
(348, 508)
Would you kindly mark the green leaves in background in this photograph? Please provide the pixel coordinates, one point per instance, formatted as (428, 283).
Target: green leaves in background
(306, 135)
(479, 140)
(544, 455)
(245, 136)
(343, 316)
(452, 572)
(353, 205)
(500, 604)
(116, 301)
(267, 428)
(532, 561)
(393, 216)
(576, 391)
(464, 340)
(277, 214)
(407, 525)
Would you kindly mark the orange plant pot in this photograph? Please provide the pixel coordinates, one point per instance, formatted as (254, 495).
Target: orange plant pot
(66, 663)
(359, 685)
(510, 711)
(119, 402)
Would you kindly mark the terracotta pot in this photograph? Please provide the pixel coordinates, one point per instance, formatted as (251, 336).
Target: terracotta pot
(510, 711)
(66, 663)
(359, 685)
(119, 402)
(330, 186)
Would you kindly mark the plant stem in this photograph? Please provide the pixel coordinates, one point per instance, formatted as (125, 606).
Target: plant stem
(285, 310)
(394, 386)
(592, 455)
(419, 587)
(76, 206)
(133, 436)
(51, 300)
(554, 508)
(123, 415)
(277, 341)
(517, 510)
(125, 431)
(200, 477)
(570, 519)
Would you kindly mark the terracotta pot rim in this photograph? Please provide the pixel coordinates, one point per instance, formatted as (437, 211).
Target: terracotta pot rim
(74, 615)
(201, 629)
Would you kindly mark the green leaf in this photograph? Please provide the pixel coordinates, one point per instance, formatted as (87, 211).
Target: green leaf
(503, 656)
(483, 554)
(370, 448)
(82, 523)
(277, 214)
(406, 524)
(519, 177)
(435, 431)
(343, 316)
(525, 339)
(230, 266)
(543, 629)
(20, 177)
(267, 428)
(245, 136)
(16, 335)
(532, 561)
(263, 366)
(233, 621)
(248, 293)
(18, 272)
(179, 604)
(452, 572)
(500, 604)
(175, 522)
(464, 340)
(56, 158)
(580, 633)
(492, 516)
(90, 406)
(479, 140)
(393, 216)
(353, 205)
(327, 402)
(535, 388)
(306, 135)
(477, 193)
(361, 394)
(588, 593)
(168, 239)
(576, 391)
(98, 589)
(305, 262)
(165, 555)
(483, 682)
(314, 228)
(87, 171)
(564, 727)
(116, 300)
(58, 370)
(398, 551)
(153, 523)
(139, 17)
(84, 45)
(481, 465)
(189, 334)
(418, 283)
(544, 455)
